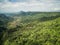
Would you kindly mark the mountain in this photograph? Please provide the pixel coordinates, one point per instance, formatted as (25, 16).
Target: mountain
(4, 19)
(3, 24)
(34, 28)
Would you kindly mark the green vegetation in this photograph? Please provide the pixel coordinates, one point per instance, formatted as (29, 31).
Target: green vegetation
(39, 28)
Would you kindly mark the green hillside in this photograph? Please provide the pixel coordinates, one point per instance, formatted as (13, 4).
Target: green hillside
(3, 25)
(33, 29)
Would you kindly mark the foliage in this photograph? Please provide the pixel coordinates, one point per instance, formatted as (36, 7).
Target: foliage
(37, 29)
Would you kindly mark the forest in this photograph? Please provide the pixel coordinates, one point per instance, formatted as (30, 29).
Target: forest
(30, 28)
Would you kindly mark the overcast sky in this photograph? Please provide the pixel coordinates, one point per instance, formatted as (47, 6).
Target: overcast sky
(7, 6)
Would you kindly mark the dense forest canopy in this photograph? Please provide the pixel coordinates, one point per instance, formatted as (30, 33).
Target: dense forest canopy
(30, 28)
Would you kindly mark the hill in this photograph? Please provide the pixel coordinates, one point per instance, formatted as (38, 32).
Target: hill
(3, 25)
(42, 28)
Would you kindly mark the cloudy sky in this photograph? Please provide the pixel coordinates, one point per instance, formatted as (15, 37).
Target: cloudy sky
(8, 6)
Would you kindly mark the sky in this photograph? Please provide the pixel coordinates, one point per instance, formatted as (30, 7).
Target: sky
(9, 6)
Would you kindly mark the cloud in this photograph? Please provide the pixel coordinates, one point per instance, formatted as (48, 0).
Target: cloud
(31, 5)
(56, 1)
(52, 1)
(56, 9)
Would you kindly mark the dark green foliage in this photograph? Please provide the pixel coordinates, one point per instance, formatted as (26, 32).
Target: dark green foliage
(33, 28)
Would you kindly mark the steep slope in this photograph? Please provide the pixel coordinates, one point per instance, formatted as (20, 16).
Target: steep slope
(4, 20)
(3, 25)
(40, 29)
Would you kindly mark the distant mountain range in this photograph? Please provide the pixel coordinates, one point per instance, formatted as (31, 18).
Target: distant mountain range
(4, 19)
